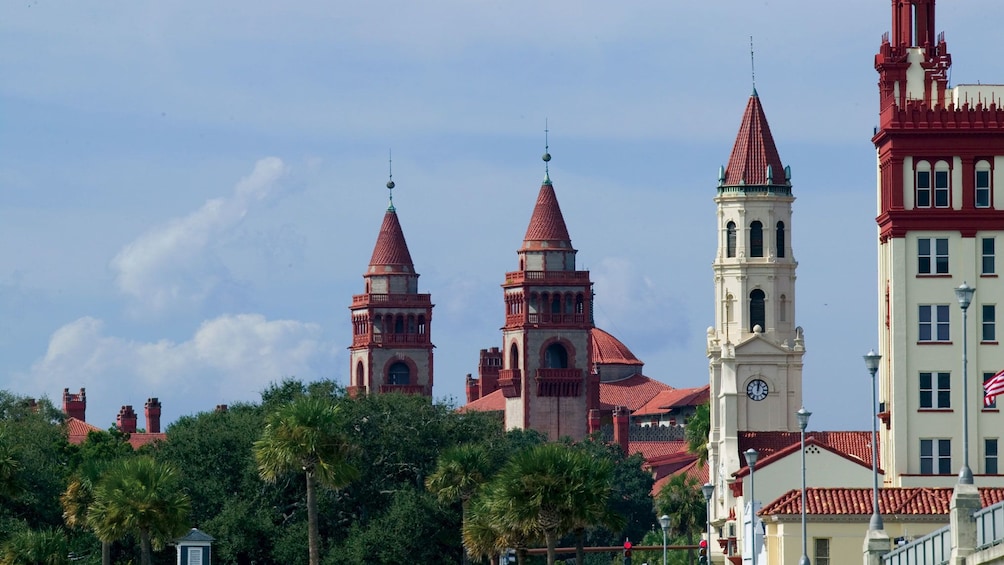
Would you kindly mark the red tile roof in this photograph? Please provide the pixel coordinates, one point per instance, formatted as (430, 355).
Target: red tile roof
(632, 392)
(607, 349)
(546, 223)
(694, 470)
(391, 249)
(858, 501)
(77, 430)
(754, 151)
(669, 399)
(138, 440)
(652, 450)
(857, 445)
(489, 403)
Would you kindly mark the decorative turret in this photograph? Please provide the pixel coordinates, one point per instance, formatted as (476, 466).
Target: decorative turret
(754, 161)
(391, 347)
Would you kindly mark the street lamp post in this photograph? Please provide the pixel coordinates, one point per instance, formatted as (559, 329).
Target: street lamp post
(664, 522)
(708, 489)
(964, 294)
(751, 457)
(803, 422)
(872, 363)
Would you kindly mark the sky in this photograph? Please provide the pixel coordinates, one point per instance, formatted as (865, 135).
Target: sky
(190, 191)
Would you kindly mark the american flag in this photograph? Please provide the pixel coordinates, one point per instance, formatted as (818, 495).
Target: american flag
(992, 388)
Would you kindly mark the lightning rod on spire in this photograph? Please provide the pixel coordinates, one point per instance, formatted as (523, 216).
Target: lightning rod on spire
(390, 181)
(752, 64)
(547, 156)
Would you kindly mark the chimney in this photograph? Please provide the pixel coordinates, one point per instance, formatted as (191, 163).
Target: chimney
(152, 410)
(622, 427)
(75, 405)
(473, 390)
(594, 421)
(220, 408)
(126, 420)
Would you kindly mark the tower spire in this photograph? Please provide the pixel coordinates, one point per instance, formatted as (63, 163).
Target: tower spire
(547, 156)
(753, 65)
(390, 181)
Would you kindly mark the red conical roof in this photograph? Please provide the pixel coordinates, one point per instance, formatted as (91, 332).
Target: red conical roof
(754, 151)
(391, 249)
(546, 223)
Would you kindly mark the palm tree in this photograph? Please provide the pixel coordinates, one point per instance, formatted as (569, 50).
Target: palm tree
(697, 431)
(9, 466)
(141, 497)
(77, 498)
(681, 498)
(30, 547)
(460, 472)
(303, 436)
(550, 490)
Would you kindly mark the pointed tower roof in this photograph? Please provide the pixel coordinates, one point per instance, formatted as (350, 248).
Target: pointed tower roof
(546, 223)
(391, 249)
(754, 151)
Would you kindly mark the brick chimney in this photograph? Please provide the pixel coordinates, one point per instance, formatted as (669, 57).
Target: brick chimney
(220, 408)
(622, 427)
(75, 405)
(126, 420)
(152, 410)
(594, 420)
(473, 389)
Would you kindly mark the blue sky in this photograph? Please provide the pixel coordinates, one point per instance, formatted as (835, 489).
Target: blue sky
(190, 191)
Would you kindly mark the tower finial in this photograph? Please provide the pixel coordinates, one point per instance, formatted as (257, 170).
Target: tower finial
(752, 65)
(547, 156)
(390, 181)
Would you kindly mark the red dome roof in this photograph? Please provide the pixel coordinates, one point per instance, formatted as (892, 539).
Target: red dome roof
(608, 350)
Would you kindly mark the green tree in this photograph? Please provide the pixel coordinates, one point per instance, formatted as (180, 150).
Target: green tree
(697, 432)
(142, 497)
(302, 435)
(460, 473)
(35, 547)
(9, 465)
(78, 497)
(681, 498)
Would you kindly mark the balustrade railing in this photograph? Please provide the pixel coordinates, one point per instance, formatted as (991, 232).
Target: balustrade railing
(933, 549)
(989, 526)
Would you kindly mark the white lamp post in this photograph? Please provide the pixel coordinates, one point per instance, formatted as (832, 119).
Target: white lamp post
(803, 422)
(708, 489)
(664, 522)
(872, 363)
(964, 294)
(751, 457)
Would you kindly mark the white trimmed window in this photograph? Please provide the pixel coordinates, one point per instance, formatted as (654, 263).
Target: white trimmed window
(935, 457)
(990, 456)
(935, 390)
(932, 256)
(983, 187)
(987, 266)
(942, 185)
(922, 198)
(988, 325)
(821, 551)
(933, 322)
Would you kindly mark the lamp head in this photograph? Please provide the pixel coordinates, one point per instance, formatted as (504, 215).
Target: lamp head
(664, 522)
(964, 294)
(708, 489)
(803, 418)
(751, 457)
(872, 361)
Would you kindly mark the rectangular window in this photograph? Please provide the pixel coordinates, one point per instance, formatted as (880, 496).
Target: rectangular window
(821, 551)
(982, 189)
(932, 256)
(989, 331)
(993, 405)
(941, 189)
(935, 390)
(990, 456)
(923, 189)
(933, 324)
(935, 457)
(988, 257)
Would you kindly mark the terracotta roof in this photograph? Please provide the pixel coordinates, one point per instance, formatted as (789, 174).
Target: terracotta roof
(138, 440)
(546, 223)
(858, 501)
(669, 399)
(857, 445)
(489, 403)
(653, 450)
(391, 249)
(694, 470)
(632, 392)
(754, 151)
(77, 430)
(607, 349)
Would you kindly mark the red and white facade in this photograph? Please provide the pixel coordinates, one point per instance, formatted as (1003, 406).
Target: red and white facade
(940, 223)
(391, 322)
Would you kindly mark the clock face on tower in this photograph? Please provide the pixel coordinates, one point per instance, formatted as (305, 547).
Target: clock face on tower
(757, 389)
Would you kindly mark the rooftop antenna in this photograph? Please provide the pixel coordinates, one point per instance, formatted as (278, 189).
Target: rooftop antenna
(547, 156)
(753, 65)
(390, 181)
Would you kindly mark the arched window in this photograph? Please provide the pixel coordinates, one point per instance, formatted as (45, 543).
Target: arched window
(399, 374)
(579, 304)
(779, 239)
(756, 239)
(757, 311)
(729, 309)
(556, 303)
(421, 325)
(513, 357)
(360, 374)
(782, 309)
(983, 184)
(922, 195)
(730, 239)
(555, 357)
(399, 324)
(378, 324)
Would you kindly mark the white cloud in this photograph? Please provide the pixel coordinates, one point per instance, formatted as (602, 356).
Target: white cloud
(228, 359)
(176, 264)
